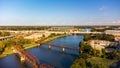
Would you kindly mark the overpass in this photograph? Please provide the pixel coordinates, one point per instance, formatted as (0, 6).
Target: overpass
(78, 32)
(72, 32)
(6, 38)
(63, 47)
(29, 57)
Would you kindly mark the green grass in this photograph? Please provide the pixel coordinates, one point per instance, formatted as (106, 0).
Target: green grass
(94, 62)
(102, 62)
(6, 52)
(9, 51)
(79, 63)
(52, 38)
(27, 46)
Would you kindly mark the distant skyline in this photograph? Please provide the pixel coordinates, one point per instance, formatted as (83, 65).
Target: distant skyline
(59, 12)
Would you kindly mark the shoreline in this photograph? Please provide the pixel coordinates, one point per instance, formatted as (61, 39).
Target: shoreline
(32, 45)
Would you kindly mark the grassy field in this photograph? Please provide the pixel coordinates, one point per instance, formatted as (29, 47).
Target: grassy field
(27, 46)
(93, 62)
(101, 62)
(6, 52)
(52, 38)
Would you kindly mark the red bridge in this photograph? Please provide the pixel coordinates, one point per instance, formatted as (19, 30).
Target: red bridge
(29, 57)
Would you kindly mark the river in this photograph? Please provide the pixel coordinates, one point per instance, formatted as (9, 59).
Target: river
(53, 56)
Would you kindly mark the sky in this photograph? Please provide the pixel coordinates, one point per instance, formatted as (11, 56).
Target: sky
(59, 12)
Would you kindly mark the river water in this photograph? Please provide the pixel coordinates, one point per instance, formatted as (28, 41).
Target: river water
(53, 56)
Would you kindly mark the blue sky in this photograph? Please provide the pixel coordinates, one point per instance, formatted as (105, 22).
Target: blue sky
(59, 12)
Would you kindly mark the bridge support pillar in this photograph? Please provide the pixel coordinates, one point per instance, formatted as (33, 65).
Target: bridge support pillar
(38, 45)
(22, 59)
(49, 46)
(63, 49)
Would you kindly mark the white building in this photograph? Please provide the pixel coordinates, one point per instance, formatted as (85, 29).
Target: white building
(98, 44)
(113, 32)
(116, 33)
(37, 36)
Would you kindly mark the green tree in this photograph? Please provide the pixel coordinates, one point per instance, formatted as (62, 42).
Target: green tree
(5, 34)
(84, 56)
(84, 48)
(43, 35)
(87, 37)
(0, 33)
(103, 53)
(99, 36)
(9, 43)
(79, 63)
(2, 46)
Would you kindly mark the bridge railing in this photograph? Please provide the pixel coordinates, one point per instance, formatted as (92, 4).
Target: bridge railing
(29, 57)
(55, 44)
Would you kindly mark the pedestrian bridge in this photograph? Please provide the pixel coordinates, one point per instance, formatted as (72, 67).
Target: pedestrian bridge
(63, 47)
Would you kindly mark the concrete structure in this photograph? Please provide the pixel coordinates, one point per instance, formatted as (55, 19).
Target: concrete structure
(98, 44)
(116, 33)
(69, 30)
(61, 28)
(58, 45)
(86, 30)
(37, 36)
(113, 32)
(6, 38)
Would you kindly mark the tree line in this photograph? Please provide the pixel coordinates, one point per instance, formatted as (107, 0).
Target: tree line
(24, 27)
(99, 37)
(2, 34)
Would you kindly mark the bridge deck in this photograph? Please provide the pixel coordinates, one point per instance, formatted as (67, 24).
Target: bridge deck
(62, 46)
(29, 57)
(7, 37)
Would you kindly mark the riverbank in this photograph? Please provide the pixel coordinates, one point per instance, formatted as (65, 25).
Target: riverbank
(52, 38)
(47, 56)
(8, 50)
(91, 57)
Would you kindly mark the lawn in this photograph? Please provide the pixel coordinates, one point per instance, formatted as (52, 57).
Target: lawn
(101, 62)
(27, 46)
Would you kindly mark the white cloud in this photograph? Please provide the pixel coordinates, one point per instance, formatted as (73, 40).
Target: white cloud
(116, 22)
(102, 8)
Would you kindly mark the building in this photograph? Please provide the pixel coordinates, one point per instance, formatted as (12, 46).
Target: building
(86, 30)
(98, 44)
(113, 32)
(116, 33)
(37, 36)
(62, 28)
